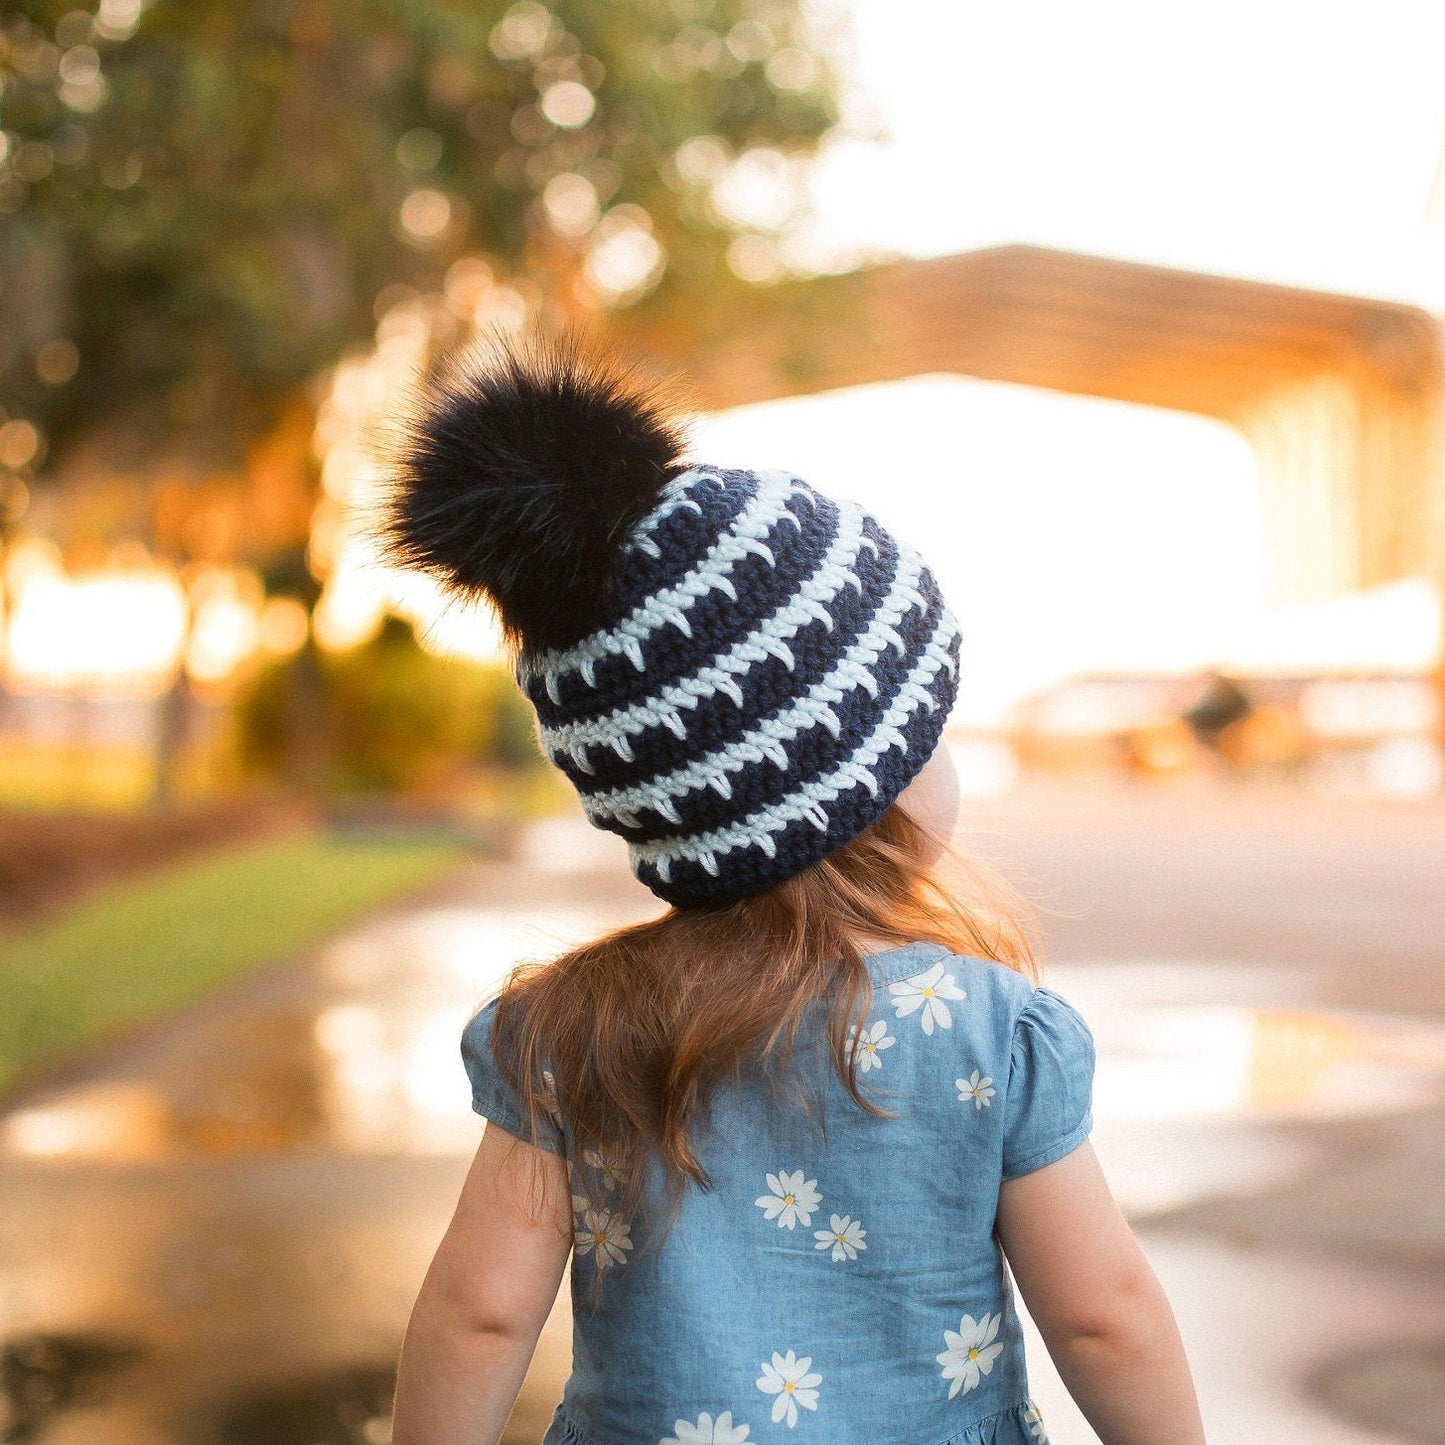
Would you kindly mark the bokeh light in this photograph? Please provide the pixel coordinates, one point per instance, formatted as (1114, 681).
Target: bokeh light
(572, 204)
(20, 443)
(425, 213)
(57, 361)
(522, 32)
(568, 104)
(118, 631)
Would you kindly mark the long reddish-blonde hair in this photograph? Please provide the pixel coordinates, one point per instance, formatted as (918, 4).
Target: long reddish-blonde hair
(627, 1037)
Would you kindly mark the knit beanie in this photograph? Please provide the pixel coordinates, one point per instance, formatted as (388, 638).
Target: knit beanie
(737, 673)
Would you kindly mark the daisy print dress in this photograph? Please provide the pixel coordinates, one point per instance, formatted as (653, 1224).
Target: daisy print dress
(840, 1283)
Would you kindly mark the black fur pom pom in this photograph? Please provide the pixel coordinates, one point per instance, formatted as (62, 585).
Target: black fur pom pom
(518, 476)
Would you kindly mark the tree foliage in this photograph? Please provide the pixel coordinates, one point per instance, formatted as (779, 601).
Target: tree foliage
(203, 202)
(386, 716)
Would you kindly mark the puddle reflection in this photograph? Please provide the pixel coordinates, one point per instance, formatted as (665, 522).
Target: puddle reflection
(1268, 1064)
(359, 1054)
(394, 1081)
(1193, 1101)
(470, 949)
(42, 1375)
(347, 1407)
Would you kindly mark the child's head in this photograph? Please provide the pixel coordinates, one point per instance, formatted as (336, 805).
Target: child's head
(742, 677)
(737, 673)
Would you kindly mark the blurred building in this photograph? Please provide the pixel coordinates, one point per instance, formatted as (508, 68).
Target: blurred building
(1368, 733)
(1339, 396)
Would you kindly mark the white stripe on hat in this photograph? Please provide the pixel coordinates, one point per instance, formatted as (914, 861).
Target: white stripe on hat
(765, 742)
(670, 606)
(757, 829)
(726, 669)
(677, 495)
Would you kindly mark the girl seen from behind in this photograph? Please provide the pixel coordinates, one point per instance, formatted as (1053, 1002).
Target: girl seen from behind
(790, 1131)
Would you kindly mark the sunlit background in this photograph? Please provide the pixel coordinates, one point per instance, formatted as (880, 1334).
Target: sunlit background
(1215, 158)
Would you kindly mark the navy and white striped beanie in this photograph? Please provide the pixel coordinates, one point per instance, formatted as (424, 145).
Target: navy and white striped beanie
(749, 672)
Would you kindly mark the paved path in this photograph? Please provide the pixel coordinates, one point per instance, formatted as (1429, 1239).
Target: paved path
(1266, 974)
(213, 1236)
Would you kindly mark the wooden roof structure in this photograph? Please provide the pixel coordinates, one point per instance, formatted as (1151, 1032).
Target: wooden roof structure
(1340, 396)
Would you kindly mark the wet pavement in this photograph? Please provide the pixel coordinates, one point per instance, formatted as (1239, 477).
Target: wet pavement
(214, 1236)
(1222, 1126)
(241, 1207)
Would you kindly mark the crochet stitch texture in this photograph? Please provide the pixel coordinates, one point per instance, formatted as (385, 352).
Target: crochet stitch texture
(779, 669)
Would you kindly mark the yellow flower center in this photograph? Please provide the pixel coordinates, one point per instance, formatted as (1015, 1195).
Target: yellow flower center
(839, 1238)
(787, 1199)
(928, 993)
(789, 1386)
(870, 1048)
(973, 1353)
(602, 1238)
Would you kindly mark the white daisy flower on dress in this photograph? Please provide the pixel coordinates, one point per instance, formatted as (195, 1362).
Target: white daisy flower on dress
(606, 1165)
(605, 1236)
(978, 1088)
(971, 1351)
(844, 1237)
(1034, 1419)
(707, 1431)
(787, 1377)
(867, 1045)
(792, 1201)
(927, 991)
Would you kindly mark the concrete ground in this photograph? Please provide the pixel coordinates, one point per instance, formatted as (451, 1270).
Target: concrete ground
(213, 1234)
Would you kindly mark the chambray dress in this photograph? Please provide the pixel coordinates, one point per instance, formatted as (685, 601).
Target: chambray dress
(840, 1284)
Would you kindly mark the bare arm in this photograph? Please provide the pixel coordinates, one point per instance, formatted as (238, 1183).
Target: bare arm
(485, 1297)
(1098, 1305)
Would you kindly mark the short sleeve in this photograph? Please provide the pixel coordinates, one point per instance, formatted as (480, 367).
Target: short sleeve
(1047, 1108)
(492, 1097)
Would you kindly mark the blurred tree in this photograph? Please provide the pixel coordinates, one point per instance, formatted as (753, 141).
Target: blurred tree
(386, 716)
(204, 202)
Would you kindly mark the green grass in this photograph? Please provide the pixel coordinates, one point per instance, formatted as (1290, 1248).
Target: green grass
(139, 948)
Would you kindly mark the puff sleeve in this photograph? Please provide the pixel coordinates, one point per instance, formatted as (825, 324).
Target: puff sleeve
(492, 1096)
(1047, 1107)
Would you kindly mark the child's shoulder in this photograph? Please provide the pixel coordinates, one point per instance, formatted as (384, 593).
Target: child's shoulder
(1030, 1015)
(1011, 999)
(995, 979)
(985, 996)
(477, 1034)
(925, 965)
